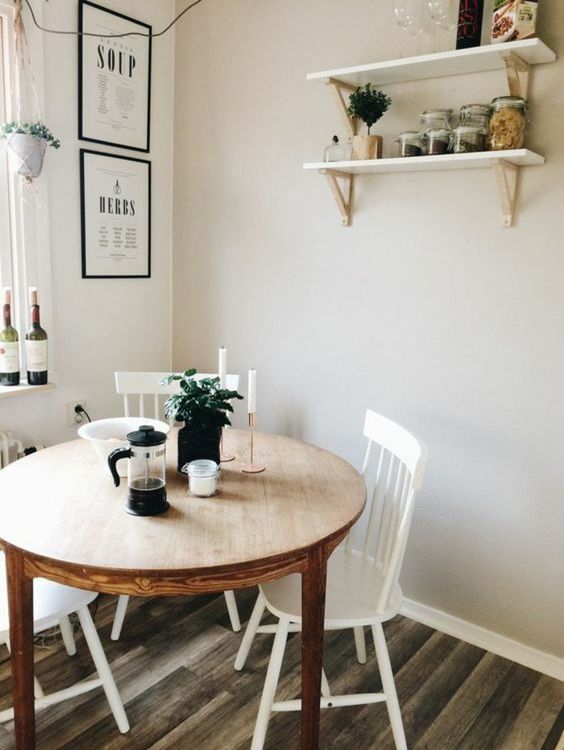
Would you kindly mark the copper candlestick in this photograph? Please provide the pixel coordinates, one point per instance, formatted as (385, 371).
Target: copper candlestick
(224, 457)
(251, 467)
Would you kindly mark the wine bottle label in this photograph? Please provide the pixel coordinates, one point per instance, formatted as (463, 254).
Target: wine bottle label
(9, 356)
(36, 356)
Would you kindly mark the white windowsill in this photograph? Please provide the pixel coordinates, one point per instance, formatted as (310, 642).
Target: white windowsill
(7, 391)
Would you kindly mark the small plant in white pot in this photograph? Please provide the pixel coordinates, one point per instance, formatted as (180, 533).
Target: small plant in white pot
(26, 143)
(369, 105)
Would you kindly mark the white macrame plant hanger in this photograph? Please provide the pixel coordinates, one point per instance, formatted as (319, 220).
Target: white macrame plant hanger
(26, 152)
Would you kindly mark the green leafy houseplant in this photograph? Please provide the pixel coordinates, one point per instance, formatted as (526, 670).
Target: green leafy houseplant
(368, 104)
(35, 129)
(203, 407)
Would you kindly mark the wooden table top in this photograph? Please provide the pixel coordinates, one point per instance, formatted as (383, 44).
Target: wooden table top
(60, 504)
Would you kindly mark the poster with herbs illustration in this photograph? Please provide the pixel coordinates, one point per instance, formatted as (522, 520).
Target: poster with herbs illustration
(116, 216)
(114, 97)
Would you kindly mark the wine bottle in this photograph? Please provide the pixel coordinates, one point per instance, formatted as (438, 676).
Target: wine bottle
(9, 345)
(35, 345)
(470, 16)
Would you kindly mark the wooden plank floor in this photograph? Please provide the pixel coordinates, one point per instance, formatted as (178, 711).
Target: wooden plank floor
(174, 668)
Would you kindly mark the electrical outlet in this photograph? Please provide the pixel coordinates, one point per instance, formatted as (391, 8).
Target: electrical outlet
(74, 419)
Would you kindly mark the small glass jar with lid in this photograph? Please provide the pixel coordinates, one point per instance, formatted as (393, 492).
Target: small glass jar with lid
(438, 141)
(507, 123)
(411, 143)
(475, 114)
(436, 119)
(468, 138)
(203, 477)
(337, 150)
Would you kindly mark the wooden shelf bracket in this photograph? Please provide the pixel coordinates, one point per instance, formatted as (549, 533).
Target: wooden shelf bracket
(506, 175)
(517, 71)
(338, 87)
(344, 200)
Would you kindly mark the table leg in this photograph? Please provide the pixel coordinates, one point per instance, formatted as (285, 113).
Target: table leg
(313, 614)
(20, 601)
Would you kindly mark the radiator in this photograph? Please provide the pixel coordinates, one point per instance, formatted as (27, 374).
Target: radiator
(10, 448)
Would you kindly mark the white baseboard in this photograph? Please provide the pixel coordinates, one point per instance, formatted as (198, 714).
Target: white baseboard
(548, 664)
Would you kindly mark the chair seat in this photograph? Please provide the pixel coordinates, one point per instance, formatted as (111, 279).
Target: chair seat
(353, 587)
(51, 601)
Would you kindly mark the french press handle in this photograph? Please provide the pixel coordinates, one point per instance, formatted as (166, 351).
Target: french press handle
(114, 457)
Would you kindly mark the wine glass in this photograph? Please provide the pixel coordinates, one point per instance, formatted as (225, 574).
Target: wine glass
(410, 17)
(445, 15)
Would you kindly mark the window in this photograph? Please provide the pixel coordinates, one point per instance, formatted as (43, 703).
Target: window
(24, 214)
(6, 271)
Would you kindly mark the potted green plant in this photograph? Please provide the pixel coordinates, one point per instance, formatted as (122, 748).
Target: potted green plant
(202, 405)
(369, 105)
(26, 143)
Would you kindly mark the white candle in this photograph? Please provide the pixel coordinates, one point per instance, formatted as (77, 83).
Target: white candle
(252, 391)
(222, 367)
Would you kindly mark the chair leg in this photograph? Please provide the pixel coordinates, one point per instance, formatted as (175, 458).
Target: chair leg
(325, 689)
(360, 645)
(389, 686)
(233, 611)
(119, 617)
(68, 635)
(270, 684)
(103, 668)
(250, 632)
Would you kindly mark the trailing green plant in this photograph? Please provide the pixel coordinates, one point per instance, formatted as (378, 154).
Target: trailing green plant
(201, 404)
(36, 129)
(368, 104)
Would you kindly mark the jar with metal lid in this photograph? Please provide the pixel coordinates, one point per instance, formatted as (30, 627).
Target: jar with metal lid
(507, 123)
(411, 143)
(437, 141)
(468, 138)
(436, 119)
(475, 114)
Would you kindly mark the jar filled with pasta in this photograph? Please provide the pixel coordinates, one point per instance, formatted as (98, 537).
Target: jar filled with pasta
(507, 123)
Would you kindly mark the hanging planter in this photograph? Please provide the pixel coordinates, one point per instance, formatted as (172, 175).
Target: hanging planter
(26, 143)
(26, 136)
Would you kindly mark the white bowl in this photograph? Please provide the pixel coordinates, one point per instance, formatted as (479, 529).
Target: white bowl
(105, 435)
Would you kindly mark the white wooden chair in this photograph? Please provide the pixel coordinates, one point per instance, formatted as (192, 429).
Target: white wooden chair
(362, 584)
(52, 604)
(141, 385)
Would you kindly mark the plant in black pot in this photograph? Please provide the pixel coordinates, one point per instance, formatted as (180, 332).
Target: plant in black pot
(202, 405)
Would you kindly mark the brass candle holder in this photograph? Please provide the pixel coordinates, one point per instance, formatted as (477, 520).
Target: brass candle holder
(251, 467)
(223, 456)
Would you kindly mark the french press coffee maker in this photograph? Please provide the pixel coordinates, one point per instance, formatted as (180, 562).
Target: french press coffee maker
(145, 471)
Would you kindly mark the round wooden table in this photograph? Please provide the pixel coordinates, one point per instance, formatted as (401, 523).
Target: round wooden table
(62, 519)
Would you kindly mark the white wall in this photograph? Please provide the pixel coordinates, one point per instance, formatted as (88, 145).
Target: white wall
(425, 309)
(98, 326)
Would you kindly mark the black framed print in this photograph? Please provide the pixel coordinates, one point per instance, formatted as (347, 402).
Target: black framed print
(115, 200)
(114, 79)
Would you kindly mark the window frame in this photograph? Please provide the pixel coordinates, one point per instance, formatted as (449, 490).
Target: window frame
(26, 241)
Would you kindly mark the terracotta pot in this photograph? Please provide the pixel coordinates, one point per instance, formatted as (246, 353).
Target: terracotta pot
(367, 147)
(26, 154)
(195, 444)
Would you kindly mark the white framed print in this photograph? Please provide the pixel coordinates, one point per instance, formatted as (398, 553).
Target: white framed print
(114, 78)
(115, 195)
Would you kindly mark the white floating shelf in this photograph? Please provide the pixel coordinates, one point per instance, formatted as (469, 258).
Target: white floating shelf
(439, 64)
(520, 157)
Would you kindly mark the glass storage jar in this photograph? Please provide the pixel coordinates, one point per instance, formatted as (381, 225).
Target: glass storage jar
(437, 141)
(203, 477)
(410, 143)
(436, 119)
(475, 114)
(507, 123)
(468, 138)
